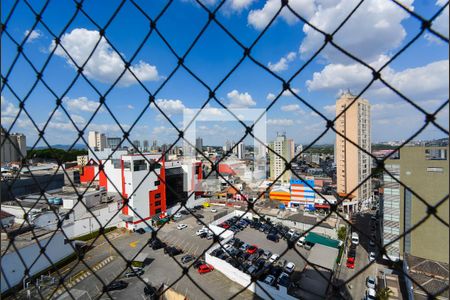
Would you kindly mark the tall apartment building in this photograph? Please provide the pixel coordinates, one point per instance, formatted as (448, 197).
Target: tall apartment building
(137, 144)
(423, 170)
(97, 141)
(198, 145)
(146, 145)
(240, 150)
(353, 165)
(285, 149)
(13, 149)
(113, 142)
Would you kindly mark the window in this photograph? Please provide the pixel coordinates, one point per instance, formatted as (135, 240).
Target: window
(127, 164)
(158, 203)
(434, 169)
(117, 164)
(158, 210)
(158, 195)
(157, 182)
(139, 165)
(436, 154)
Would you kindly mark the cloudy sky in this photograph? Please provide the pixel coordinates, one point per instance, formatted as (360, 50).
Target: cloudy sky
(374, 34)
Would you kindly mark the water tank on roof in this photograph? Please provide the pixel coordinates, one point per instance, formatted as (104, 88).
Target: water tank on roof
(57, 201)
(51, 200)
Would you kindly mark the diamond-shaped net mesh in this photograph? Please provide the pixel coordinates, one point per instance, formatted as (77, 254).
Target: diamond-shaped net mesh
(62, 277)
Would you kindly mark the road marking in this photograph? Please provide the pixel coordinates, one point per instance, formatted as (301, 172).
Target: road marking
(134, 244)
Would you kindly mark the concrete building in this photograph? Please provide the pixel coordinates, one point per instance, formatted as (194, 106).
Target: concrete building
(199, 145)
(146, 146)
(113, 142)
(14, 148)
(285, 149)
(137, 144)
(353, 165)
(423, 170)
(96, 140)
(240, 150)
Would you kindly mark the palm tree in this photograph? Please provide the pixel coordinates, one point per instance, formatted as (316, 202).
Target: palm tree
(384, 293)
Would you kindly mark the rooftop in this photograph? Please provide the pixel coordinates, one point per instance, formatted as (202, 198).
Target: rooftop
(323, 256)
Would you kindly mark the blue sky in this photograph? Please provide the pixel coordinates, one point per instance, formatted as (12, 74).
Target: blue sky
(374, 34)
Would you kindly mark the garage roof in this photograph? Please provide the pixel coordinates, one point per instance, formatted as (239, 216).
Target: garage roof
(315, 238)
(323, 256)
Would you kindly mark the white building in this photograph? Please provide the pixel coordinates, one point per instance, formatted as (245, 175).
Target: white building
(96, 140)
(240, 150)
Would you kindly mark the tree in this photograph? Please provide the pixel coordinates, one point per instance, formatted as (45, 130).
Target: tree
(384, 293)
(342, 232)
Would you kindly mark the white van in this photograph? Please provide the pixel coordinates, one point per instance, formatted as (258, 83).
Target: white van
(355, 238)
(301, 241)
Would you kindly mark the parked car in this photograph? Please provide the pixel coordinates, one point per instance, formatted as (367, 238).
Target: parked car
(355, 238)
(301, 241)
(266, 255)
(371, 243)
(244, 247)
(269, 280)
(351, 252)
(213, 210)
(252, 249)
(372, 256)
(140, 230)
(177, 215)
(187, 258)
(289, 267)
(370, 294)
(150, 292)
(198, 263)
(205, 268)
(308, 245)
(351, 262)
(198, 207)
(156, 244)
(200, 216)
(217, 252)
(184, 212)
(260, 263)
(274, 257)
(115, 285)
(172, 251)
(134, 273)
(181, 226)
(283, 280)
(202, 230)
(275, 271)
(273, 237)
(252, 270)
(370, 282)
(253, 257)
(203, 235)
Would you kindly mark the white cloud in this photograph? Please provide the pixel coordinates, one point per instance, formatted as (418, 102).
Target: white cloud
(286, 93)
(440, 24)
(81, 104)
(280, 122)
(8, 108)
(105, 65)
(34, 35)
(330, 109)
(270, 96)
(259, 18)
(129, 106)
(290, 107)
(240, 100)
(283, 63)
(169, 106)
(239, 5)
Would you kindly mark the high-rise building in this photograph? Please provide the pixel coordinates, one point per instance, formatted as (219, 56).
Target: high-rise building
(424, 171)
(199, 145)
(240, 150)
(13, 149)
(154, 145)
(113, 142)
(353, 165)
(146, 144)
(137, 144)
(284, 148)
(97, 141)
(298, 149)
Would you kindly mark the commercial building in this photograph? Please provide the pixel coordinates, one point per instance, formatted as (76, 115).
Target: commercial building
(284, 149)
(13, 148)
(422, 171)
(240, 150)
(113, 142)
(302, 193)
(146, 146)
(96, 140)
(353, 165)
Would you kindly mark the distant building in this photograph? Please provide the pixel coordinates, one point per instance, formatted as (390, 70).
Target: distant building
(199, 145)
(285, 149)
(14, 148)
(113, 142)
(240, 150)
(302, 193)
(137, 144)
(423, 170)
(353, 165)
(97, 141)
(154, 145)
(146, 145)
(298, 149)
(82, 160)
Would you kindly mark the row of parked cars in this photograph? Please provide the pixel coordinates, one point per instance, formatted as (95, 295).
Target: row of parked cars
(251, 259)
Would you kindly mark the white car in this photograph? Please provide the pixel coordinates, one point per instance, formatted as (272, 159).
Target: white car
(274, 257)
(202, 230)
(370, 294)
(181, 226)
(270, 279)
(355, 238)
(213, 210)
(177, 215)
(301, 241)
(227, 246)
(289, 267)
(370, 282)
(372, 256)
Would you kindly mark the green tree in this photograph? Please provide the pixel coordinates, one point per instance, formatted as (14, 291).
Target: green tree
(342, 232)
(384, 293)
